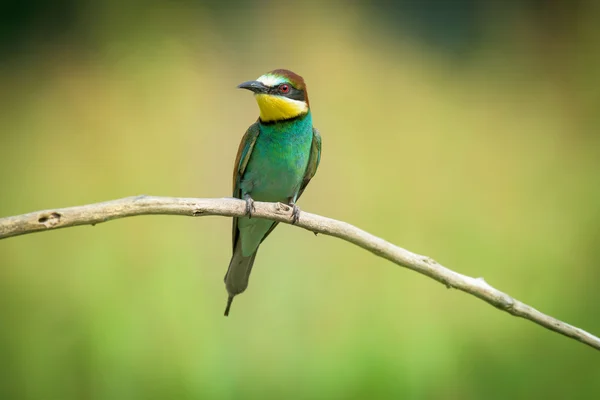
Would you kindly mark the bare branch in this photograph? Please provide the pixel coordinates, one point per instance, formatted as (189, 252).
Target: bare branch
(144, 205)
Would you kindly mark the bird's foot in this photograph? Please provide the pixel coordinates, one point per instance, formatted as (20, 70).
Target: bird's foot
(249, 205)
(295, 213)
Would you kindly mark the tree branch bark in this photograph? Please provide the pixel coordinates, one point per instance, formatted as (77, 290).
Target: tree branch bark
(145, 205)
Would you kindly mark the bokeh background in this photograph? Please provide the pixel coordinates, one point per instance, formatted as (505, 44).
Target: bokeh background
(464, 130)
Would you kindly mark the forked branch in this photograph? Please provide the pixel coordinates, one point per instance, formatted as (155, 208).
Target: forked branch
(144, 205)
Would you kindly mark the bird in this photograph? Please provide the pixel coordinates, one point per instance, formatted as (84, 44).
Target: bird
(278, 156)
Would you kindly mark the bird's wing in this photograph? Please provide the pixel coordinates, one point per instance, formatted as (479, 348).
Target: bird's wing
(243, 156)
(313, 161)
(241, 161)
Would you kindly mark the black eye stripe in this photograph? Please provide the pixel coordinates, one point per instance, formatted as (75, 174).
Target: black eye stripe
(296, 94)
(293, 94)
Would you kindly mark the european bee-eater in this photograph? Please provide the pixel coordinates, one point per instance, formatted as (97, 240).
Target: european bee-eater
(278, 156)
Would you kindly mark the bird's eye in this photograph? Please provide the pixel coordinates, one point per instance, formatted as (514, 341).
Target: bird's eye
(284, 88)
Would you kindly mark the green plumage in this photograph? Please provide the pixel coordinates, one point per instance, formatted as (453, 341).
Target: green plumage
(274, 173)
(276, 162)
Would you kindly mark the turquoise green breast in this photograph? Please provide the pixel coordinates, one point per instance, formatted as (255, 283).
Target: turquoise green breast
(274, 172)
(279, 160)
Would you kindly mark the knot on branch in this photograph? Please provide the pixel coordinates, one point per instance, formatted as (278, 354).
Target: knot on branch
(506, 303)
(50, 220)
(428, 260)
(281, 208)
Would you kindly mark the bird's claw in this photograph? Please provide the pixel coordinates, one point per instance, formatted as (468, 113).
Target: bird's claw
(295, 213)
(249, 206)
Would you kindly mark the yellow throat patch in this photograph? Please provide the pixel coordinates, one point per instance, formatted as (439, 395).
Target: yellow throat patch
(276, 108)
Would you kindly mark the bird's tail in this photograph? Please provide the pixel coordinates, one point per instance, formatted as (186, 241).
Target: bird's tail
(238, 274)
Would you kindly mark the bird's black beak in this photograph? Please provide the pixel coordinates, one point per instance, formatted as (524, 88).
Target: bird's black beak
(254, 86)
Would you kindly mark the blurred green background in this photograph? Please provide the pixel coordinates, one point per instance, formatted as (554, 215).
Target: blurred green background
(463, 130)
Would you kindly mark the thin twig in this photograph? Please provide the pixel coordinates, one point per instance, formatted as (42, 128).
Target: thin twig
(144, 205)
